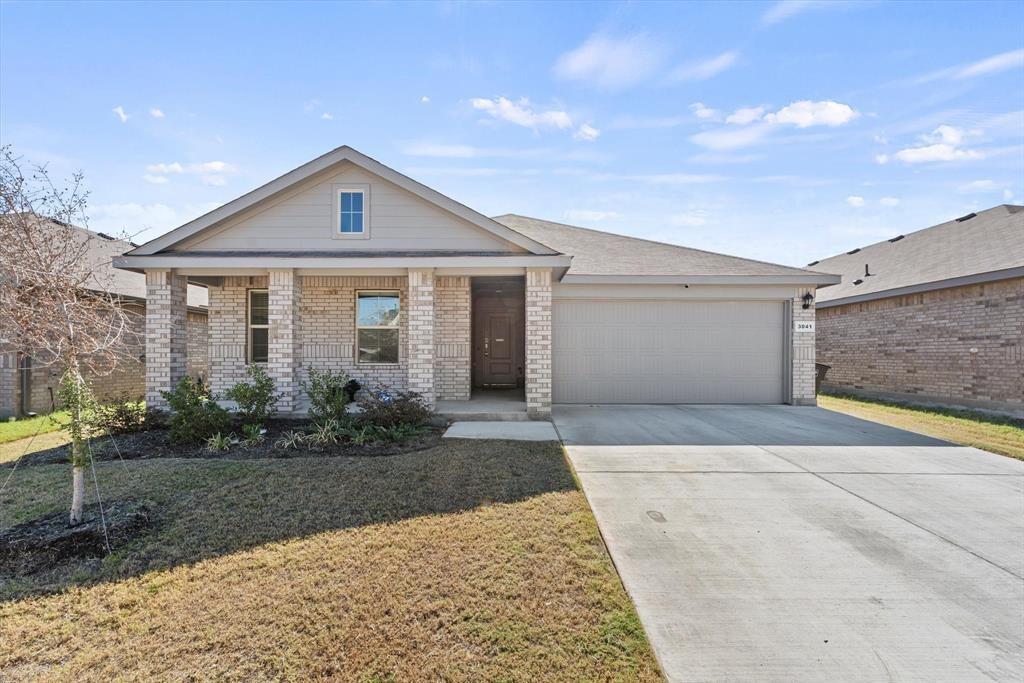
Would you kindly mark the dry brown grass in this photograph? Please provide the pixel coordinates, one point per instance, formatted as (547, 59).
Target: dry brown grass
(996, 434)
(471, 561)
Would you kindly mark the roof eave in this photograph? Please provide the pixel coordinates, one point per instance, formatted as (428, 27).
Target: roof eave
(975, 279)
(817, 279)
(140, 263)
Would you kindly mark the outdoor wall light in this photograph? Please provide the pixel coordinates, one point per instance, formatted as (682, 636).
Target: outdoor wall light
(808, 298)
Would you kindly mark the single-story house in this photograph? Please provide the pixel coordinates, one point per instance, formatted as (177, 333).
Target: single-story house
(935, 316)
(30, 386)
(345, 263)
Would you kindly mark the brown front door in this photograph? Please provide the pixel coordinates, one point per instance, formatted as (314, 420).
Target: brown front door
(496, 349)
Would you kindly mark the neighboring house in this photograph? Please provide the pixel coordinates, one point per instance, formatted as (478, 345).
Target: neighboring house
(936, 315)
(345, 263)
(30, 387)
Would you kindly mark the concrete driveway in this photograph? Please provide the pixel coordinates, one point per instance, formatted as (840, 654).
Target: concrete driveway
(790, 543)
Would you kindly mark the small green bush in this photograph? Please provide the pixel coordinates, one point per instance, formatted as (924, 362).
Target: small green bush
(252, 434)
(255, 397)
(327, 393)
(219, 443)
(291, 440)
(125, 416)
(385, 408)
(195, 415)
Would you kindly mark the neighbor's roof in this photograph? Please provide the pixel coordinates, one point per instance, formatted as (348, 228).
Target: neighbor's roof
(975, 248)
(102, 249)
(605, 256)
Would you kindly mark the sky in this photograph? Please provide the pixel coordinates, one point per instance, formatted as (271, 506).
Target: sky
(780, 131)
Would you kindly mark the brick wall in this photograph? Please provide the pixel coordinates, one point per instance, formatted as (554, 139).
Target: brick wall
(452, 337)
(421, 332)
(8, 384)
(538, 342)
(960, 345)
(228, 331)
(166, 336)
(283, 354)
(802, 391)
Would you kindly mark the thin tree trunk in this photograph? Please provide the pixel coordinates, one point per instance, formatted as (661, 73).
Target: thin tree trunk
(77, 494)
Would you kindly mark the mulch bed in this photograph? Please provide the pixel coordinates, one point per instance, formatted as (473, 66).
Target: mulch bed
(155, 443)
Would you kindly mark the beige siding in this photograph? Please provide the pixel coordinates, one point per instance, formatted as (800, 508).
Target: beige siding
(303, 219)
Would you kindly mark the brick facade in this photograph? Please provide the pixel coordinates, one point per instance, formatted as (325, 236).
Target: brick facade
(421, 332)
(453, 303)
(538, 342)
(166, 337)
(961, 345)
(284, 355)
(802, 391)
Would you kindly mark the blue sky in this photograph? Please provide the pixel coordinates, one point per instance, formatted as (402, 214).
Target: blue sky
(779, 131)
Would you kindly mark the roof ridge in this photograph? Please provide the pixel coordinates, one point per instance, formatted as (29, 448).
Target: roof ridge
(663, 244)
(1010, 209)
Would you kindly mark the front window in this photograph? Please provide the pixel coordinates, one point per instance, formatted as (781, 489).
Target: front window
(377, 327)
(259, 326)
(351, 218)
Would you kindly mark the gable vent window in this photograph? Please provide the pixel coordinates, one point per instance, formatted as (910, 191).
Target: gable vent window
(350, 220)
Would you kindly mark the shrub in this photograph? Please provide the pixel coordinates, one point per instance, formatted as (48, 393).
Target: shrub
(329, 393)
(255, 397)
(219, 443)
(125, 416)
(385, 408)
(291, 440)
(252, 434)
(195, 415)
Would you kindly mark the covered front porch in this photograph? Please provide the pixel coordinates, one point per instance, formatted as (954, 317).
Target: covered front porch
(469, 340)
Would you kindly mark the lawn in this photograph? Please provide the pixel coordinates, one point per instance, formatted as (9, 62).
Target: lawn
(472, 560)
(1002, 435)
(13, 430)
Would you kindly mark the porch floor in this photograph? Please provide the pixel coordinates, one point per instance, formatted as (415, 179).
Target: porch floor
(491, 406)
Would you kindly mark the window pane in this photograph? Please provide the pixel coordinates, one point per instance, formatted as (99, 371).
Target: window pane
(357, 201)
(376, 310)
(260, 336)
(378, 346)
(258, 308)
(346, 201)
(357, 222)
(346, 222)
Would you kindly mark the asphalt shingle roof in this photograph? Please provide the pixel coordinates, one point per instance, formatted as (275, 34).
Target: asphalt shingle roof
(991, 240)
(603, 253)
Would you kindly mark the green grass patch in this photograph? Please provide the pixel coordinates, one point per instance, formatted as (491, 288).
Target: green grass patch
(994, 433)
(23, 428)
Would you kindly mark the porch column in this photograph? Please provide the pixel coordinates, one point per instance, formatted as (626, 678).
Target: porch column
(284, 289)
(421, 332)
(538, 343)
(802, 393)
(166, 334)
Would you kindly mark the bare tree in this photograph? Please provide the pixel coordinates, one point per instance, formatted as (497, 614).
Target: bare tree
(56, 298)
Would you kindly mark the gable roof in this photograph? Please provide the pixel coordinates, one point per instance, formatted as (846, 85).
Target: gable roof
(606, 257)
(101, 250)
(318, 165)
(981, 247)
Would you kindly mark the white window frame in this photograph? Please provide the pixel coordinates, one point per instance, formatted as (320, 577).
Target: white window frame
(249, 327)
(398, 326)
(361, 188)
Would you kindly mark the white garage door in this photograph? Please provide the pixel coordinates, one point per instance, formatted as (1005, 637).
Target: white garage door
(651, 351)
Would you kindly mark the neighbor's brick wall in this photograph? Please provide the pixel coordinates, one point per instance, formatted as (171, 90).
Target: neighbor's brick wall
(920, 344)
(452, 337)
(8, 384)
(538, 342)
(802, 390)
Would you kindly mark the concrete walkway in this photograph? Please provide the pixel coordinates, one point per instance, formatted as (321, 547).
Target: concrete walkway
(786, 543)
(513, 431)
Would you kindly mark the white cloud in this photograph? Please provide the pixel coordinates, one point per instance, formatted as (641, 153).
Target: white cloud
(155, 179)
(805, 113)
(586, 132)
(745, 115)
(731, 138)
(689, 220)
(704, 69)
(214, 180)
(588, 215)
(327, 116)
(1001, 62)
(889, 201)
(521, 113)
(120, 113)
(166, 168)
(611, 62)
(979, 186)
(425, 99)
(156, 113)
(785, 9)
(212, 167)
(1007, 194)
(942, 144)
(701, 111)
(855, 200)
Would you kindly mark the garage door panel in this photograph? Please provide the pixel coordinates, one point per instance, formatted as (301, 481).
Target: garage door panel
(658, 351)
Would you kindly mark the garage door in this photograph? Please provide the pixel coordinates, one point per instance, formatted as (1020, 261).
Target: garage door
(651, 351)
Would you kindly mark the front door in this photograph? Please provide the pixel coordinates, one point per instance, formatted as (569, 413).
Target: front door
(496, 349)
